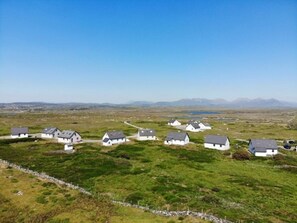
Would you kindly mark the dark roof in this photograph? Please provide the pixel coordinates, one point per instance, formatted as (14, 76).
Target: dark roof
(106, 140)
(176, 136)
(67, 134)
(205, 124)
(147, 132)
(215, 139)
(193, 121)
(172, 120)
(261, 145)
(50, 130)
(116, 135)
(20, 130)
(195, 125)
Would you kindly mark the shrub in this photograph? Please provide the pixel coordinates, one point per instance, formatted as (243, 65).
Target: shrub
(134, 198)
(210, 199)
(41, 199)
(241, 154)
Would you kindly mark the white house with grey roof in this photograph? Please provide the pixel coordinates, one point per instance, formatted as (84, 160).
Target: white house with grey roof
(50, 133)
(263, 147)
(177, 138)
(193, 126)
(146, 134)
(216, 142)
(174, 122)
(204, 126)
(69, 136)
(113, 137)
(20, 132)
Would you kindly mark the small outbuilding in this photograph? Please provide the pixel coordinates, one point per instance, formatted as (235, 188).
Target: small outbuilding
(217, 142)
(146, 134)
(177, 138)
(174, 122)
(20, 132)
(50, 133)
(69, 137)
(68, 147)
(263, 147)
(113, 137)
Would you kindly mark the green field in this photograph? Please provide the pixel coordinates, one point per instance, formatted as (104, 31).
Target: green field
(169, 177)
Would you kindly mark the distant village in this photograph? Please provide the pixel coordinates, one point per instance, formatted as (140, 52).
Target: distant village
(257, 147)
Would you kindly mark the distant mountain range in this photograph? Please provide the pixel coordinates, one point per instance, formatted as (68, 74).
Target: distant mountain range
(238, 103)
(194, 102)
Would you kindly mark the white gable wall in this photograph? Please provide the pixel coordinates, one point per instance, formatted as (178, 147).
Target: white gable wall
(175, 123)
(203, 127)
(192, 129)
(74, 139)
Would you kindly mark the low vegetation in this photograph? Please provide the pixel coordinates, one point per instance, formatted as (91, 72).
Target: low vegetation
(230, 184)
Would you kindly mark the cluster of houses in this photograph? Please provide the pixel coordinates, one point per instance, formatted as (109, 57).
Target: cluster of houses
(258, 147)
(192, 125)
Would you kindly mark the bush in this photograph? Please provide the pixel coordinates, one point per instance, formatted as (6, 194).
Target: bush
(134, 198)
(241, 155)
(41, 199)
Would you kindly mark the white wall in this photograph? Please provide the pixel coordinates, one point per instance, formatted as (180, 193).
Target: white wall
(47, 136)
(175, 123)
(146, 137)
(178, 142)
(268, 153)
(192, 129)
(68, 147)
(74, 139)
(202, 126)
(217, 146)
(19, 136)
(113, 141)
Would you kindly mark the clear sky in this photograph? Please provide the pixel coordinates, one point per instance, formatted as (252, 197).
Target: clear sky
(150, 50)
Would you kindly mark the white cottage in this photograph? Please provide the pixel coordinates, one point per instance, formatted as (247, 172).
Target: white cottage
(193, 126)
(50, 133)
(217, 142)
(69, 136)
(173, 122)
(177, 138)
(146, 134)
(263, 147)
(204, 126)
(113, 137)
(21, 132)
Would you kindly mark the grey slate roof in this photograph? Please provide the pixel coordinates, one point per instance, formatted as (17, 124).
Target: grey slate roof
(20, 130)
(195, 125)
(181, 136)
(192, 121)
(116, 135)
(147, 132)
(215, 139)
(106, 140)
(205, 124)
(171, 120)
(67, 134)
(50, 130)
(261, 145)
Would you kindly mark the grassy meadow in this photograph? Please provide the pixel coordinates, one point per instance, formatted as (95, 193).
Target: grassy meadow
(166, 177)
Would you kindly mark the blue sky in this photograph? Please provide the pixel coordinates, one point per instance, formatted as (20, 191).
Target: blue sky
(119, 51)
